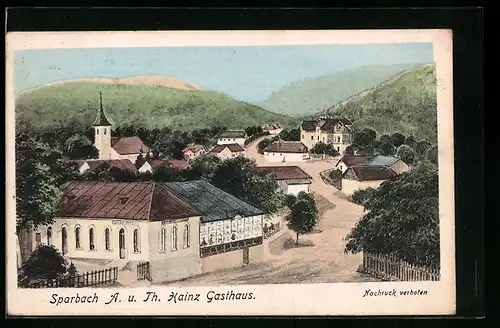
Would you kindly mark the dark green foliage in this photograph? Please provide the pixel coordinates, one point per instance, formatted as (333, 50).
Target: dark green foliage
(361, 196)
(255, 137)
(386, 148)
(76, 104)
(335, 175)
(365, 151)
(251, 130)
(290, 200)
(410, 141)
(303, 216)
(290, 135)
(321, 148)
(385, 138)
(402, 218)
(432, 154)
(349, 150)
(363, 138)
(45, 264)
(398, 139)
(263, 144)
(406, 153)
(72, 272)
(406, 104)
(421, 148)
(80, 147)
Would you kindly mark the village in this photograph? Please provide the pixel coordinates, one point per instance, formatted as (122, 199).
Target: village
(137, 233)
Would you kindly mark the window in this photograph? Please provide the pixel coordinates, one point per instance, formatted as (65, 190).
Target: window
(234, 139)
(49, 236)
(338, 139)
(318, 137)
(137, 242)
(312, 137)
(163, 240)
(38, 239)
(97, 131)
(91, 239)
(78, 245)
(174, 238)
(105, 130)
(64, 241)
(186, 236)
(106, 239)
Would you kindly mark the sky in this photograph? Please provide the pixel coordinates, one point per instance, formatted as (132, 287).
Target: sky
(248, 73)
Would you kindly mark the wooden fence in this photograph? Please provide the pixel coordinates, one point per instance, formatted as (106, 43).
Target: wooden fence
(143, 271)
(271, 230)
(88, 279)
(390, 268)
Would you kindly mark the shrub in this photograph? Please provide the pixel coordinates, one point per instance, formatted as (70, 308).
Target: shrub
(361, 196)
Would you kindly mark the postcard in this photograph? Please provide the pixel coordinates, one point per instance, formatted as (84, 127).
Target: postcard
(260, 173)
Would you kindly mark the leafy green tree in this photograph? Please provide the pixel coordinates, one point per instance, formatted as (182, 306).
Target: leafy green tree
(386, 148)
(321, 148)
(365, 151)
(290, 200)
(349, 150)
(361, 196)
(410, 141)
(290, 135)
(263, 144)
(79, 147)
(363, 138)
(302, 218)
(432, 154)
(398, 139)
(45, 264)
(406, 153)
(203, 168)
(421, 148)
(402, 219)
(385, 138)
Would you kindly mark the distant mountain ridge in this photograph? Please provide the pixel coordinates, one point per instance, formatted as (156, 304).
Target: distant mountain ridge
(311, 95)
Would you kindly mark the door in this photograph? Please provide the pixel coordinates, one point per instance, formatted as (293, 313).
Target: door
(246, 256)
(121, 241)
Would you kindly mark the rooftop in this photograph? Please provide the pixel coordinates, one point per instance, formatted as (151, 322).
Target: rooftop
(369, 173)
(122, 200)
(286, 147)
(211, 202)
(325, 124)
(176, 163)
(284, 172)
(233, 134)
(193, 148)
(129, 145)
(351, 160)
(234, 148)
(101, 119)
(384, 160)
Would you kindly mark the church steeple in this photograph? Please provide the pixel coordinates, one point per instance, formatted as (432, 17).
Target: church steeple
(101, 119)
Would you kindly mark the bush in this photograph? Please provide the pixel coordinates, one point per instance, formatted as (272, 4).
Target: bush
(324, 149)
(361, 196)
(335, 175)
(45, 264)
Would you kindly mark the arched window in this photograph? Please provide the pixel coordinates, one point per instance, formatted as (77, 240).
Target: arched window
(64, 240)
(174, 238)
(49, 236)
(163, 239)
(78, 244)
(91, 239)
(186, 236)
(106, 239)
(97, 131)
(137, 241)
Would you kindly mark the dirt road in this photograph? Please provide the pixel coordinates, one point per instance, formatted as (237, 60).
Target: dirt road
(321, 259)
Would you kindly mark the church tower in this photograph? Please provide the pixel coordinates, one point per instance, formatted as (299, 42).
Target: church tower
(102, 129)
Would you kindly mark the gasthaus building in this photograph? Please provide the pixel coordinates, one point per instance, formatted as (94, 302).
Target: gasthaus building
(181, 229)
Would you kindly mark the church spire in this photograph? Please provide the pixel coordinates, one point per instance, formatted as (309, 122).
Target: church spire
(101, 119)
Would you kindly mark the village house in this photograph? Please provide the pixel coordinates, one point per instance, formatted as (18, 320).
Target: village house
(232, 137)
(84, 165)
(327, 130)
(226, 151)
(394, 162)
(272, 129)
(193, 151)
(182, 229)
(115, 147)
(286, 151)
(153, 164)
(230, 232)
(290, 179)
(363, 177)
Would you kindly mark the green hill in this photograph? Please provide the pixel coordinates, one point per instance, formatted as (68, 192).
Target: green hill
(75, 104)
(313, 94)
(406, 103)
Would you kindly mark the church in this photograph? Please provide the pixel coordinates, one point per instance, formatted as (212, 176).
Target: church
(115, 148)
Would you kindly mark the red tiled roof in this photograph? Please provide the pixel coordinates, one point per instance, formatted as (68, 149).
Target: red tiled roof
(284, 172)
(122, 164)
(122, 200)
(193, 148)
(368, 173)
(234, 148)
(129, 145)
(351, 160)
(286, 147)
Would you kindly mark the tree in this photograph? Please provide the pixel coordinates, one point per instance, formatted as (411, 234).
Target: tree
(363, 138)
(410, 141)
(321, 148)
(79, 147)
(302, 218)
(398, 139)
(370, 133)
(263, 144)
(406, 153)
(432, 154)
(349, 150)
(361, 196)
(45, 264)
(290, 200)
(385, 138)
(421, 148)
(386, 148)
(290, 135)
(402, 219)
(365, 151)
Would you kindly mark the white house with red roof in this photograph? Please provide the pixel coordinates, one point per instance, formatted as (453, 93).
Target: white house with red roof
(115, 147)
(193, 151)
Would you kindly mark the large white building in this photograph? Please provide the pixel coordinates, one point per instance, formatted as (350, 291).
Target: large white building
(232, 137)
(327, 130)
(290, 179)
(115, 148)
(286, 151)
(182, 229)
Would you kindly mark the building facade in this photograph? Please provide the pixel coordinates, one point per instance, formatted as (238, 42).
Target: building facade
(291, 179)
(226, 151)
(329, 131)
(193, 151)
(363, 177)
(232, 137)
(286, 151)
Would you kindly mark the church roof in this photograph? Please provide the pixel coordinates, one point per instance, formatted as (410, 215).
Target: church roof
(211, 202)
(101, 119)
(147, 201)
(129, 145)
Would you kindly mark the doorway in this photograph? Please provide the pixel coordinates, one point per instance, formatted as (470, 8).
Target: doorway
(121, 241)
